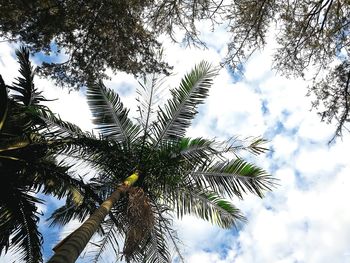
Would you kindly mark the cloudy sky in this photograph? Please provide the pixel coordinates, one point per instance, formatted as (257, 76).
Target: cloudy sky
(305, 219)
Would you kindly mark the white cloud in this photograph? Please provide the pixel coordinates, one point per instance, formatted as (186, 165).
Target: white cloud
(284, 145)
(309, 227)
(8, 65)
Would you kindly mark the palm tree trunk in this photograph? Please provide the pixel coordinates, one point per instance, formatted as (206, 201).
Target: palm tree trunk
(69, 249)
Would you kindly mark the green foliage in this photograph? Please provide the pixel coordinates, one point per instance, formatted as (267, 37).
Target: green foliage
(19, 218)
(109, 114)
(27, 93)
(28, 165)
(177, 114)
(234, 178)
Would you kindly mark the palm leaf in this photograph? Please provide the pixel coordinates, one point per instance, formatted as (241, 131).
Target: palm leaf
(54, 178)
(24, 149)
(27, 93)
(179, 111)
(29, 238)
(74, 152)
(54, 127)
(166, 222)
(203, 150)
(109, 114)
(198, 151)
(113, 160)
(109, 241)
(18, 225)
(148, 97)
(11, 143)
(254, 145)
(234, 178)
(81, 200)
(206, 205)
(71, 210)
(156, 249)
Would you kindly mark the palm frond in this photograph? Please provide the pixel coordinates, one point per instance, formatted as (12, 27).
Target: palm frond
(3, 102)
(254, 145)
(205, 204)
(23, 149)
(149, 95)
(54, 127)
(179, 111)
(157, 249)
(198, 150)
(54, 178)
(111, 160)
(11, 143)
(81, 201)
(203, 150)
(30, 238)
(18, 225)
(17, 120)
(109, 241)
(234, 178)
(109, 113)
(27, 93)
(82, 198)
(71, 210)
(166, 223)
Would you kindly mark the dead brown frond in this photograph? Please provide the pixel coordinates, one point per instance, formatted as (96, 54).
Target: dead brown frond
(140, 219)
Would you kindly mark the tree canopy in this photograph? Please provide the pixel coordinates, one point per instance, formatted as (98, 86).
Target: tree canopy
(123, 35)
(94, 35)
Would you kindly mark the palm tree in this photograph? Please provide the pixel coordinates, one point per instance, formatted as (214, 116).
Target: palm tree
(27, 164)
(147, 169)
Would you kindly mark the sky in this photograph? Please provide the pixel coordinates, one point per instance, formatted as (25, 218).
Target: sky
(304, 219)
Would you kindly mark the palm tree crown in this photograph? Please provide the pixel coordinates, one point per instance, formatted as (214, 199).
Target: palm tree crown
(172, 173)
(27, 164)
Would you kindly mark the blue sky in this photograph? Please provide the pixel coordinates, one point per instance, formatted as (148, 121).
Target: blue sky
(305, 219)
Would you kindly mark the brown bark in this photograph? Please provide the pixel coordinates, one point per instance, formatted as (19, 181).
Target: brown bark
(68, 250)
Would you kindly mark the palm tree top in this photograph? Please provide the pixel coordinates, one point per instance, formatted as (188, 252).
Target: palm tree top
(27, 164)
(174, 172)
